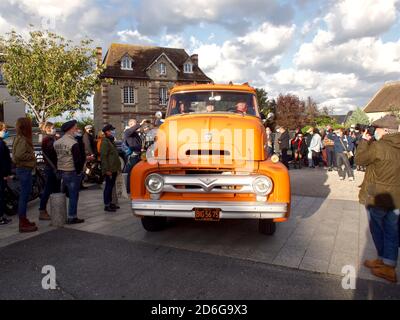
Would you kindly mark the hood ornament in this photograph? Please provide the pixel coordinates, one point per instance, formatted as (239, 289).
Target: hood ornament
(207, 181)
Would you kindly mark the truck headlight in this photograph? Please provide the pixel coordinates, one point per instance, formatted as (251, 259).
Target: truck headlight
(154, 183)
(262, 186)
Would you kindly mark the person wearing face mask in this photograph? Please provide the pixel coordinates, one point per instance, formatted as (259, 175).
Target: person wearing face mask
(380, 193)
(270, 147)
(110, 165)
(89, 142)
(52, 184)
(70, 162)
(5, 171)
(343, 145)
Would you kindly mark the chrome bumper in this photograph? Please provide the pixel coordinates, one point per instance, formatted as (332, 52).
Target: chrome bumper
(229, 210)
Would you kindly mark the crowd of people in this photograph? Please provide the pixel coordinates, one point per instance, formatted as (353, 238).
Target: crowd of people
(65, 157)
(325, 147)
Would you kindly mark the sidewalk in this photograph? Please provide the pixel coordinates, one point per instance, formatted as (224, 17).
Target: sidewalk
(323, 234)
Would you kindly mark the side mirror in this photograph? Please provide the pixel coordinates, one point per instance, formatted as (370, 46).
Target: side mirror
(270, 116)
(158, 115)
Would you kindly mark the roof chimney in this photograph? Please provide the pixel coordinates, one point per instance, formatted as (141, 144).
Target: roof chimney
(195, 59)
(99, 55)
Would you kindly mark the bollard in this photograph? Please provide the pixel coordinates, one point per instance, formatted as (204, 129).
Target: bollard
(58, 209)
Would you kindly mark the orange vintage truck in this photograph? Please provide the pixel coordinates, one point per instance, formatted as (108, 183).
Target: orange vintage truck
(209, 162)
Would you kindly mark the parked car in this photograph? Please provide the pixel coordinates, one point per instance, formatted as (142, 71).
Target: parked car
(209, 162)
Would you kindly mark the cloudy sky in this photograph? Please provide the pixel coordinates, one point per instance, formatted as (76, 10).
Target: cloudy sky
(337, 52)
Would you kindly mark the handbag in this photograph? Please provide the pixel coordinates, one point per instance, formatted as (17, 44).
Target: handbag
(349, 154)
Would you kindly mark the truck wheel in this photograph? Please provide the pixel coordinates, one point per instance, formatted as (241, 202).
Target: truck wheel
(266, 226)
(154, 223)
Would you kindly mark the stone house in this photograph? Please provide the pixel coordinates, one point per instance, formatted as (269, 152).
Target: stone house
(385, 101)
(11, 108)
(141, 78)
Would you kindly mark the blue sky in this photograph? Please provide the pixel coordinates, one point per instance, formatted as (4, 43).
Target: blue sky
(338, 52)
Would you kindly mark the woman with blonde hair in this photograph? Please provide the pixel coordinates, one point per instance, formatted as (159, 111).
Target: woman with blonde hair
(5, 171)
(25, 161)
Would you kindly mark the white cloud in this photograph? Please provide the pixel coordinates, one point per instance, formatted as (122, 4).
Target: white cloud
(133, 36)
(341, 91)
(369, 58)
(246, 58)
(237, 15)
(173, 41)
(350, 19)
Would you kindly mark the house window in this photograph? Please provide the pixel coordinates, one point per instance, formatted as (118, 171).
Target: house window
(126, 63)
(129, 96)
(163, 69)
(163, 96)
(188, 68)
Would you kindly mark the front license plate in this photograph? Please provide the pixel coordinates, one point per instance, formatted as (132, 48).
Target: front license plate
(206, 214)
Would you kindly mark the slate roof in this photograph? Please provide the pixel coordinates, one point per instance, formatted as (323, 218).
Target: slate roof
(143, 57)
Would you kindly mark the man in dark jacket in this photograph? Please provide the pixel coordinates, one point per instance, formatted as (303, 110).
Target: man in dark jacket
(380, 193)
(89, 142)
(283, 142)
(110, 165)
(134, 143)
(5, 171)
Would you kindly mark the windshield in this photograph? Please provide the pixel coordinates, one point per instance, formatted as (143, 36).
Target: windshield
(212, 101)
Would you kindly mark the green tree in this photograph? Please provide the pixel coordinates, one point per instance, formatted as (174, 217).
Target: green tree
(358, 116)
(49, 73)
(265, 106)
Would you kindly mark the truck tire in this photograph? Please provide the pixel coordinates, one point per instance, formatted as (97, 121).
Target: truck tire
(266, 226)
(153, 224)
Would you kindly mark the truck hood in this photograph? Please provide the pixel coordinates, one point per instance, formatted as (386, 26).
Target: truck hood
(225, 136)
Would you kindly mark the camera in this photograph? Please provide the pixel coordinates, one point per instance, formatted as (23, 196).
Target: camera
(364, 127)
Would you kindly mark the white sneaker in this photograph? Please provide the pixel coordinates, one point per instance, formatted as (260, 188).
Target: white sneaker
(341, 178)
(351, 179)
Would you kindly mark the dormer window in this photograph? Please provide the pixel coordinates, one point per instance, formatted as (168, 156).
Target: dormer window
(188, 68)
(163, 69)
(126, 63)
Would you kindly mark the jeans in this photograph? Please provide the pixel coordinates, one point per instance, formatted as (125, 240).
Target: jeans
(72, 181)
(270, 151)
(24, 176)
(285, 158)
(315, 158)
(108, 189)
(131, 162)
(52, 186)
(384, 227)
(2, 198)
(330, 155)
(341, 159)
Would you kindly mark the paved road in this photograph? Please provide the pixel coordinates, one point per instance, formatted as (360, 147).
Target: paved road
(93, 266)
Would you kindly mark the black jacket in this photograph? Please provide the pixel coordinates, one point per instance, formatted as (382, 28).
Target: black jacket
(284, 140)
(5, 160)
(90, 144)
(132, 138)
(78, 155)
(49, 151)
